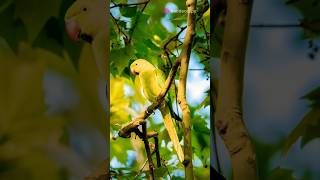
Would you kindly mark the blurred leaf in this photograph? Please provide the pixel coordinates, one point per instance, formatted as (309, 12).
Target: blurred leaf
(13, 30)
(205, 102)
(35, 21)
(121, 57)
(141, 32)
(311, 28)
(203, 173)
(25, 125)
(280, 173)
(311, 16)
(309, 126)
(264, 155)
(160, 172)
(308, 129)
(314, 97)
(118, 149)
(308, 9)
(53, 38)
(5, 4)
(200, 138)
(118, 103)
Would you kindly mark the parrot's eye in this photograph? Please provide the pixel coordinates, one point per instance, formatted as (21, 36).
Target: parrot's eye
(136, 64)
(84, 9)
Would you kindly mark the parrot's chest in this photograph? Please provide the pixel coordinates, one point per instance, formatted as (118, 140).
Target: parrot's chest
(149, 87)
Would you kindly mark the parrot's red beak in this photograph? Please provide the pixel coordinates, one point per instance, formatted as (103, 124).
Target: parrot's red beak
(73, 30)
(133, 72)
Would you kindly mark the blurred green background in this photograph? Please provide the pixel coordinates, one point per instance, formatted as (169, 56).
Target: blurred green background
(52, 117)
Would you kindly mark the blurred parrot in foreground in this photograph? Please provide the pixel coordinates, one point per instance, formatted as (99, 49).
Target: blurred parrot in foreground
(152, 81)
(87, 20)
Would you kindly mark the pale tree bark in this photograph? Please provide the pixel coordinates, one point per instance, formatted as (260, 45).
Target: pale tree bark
(185, 57)
(228, 118)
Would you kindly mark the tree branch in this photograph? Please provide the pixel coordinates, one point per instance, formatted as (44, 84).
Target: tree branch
(119, 28)
(185, 57)
(228, 118)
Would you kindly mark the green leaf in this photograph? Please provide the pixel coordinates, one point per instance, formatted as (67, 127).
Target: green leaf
(309, 9)
(307, 129)
(24, 124)
(314, 97)
(35, 13)
(178, 18)
(128, 11)
(200, 138)
(5, 4)
(204, 103)
(280, 173)
(265, 154)
(311, 16)
(311, 132)
(13, 30)
(141, 32)
(118, 149)
(160, 172)
(121, 57)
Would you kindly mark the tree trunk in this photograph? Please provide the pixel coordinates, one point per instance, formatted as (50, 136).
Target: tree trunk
(228, 118)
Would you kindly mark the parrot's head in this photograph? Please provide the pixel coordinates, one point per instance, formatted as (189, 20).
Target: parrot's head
(140, 65)
(85, 19)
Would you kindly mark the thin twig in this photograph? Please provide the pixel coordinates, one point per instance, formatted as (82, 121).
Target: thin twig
(196, 69)
(173, 38)
(125, 4)
(141, 169)
(168, 171)
(118, 26)
(156, 142)
(137, 19)
(147, 147)
(205, 32)
(275, 25)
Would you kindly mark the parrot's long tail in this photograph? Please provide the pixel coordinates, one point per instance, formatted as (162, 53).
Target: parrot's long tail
(168, 123)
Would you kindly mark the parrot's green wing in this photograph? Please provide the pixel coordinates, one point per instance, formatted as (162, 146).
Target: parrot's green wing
(160, 77)
(171, 95)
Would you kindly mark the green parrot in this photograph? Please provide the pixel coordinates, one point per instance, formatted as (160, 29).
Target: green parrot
(151, 82)
(87, 20)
